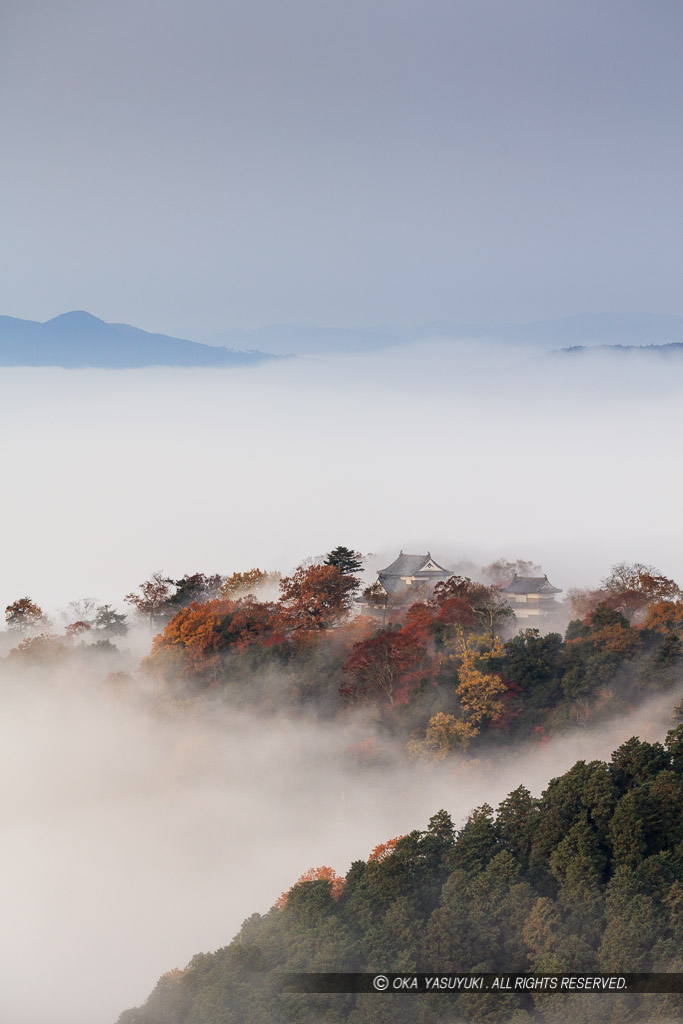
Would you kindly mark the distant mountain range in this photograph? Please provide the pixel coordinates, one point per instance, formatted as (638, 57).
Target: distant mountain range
(588, 329)
(673, 349)
(78, 339)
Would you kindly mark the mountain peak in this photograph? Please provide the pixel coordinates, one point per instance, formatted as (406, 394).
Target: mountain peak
(79, 339)
(76, 317)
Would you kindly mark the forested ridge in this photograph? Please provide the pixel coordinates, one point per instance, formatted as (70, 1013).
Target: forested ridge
(442, 671)
(588, 877)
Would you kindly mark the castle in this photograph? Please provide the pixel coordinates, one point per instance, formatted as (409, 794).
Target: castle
(530, 597)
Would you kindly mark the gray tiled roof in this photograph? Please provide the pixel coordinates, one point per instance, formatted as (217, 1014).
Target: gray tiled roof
(530, 585)
(393, 585)
(412, 565)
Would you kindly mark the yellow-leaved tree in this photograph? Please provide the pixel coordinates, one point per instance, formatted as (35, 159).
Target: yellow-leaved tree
(479, 693)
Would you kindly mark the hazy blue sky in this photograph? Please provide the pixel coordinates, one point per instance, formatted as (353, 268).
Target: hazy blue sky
(188, 166)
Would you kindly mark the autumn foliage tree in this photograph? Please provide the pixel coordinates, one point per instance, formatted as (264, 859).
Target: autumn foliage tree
(664, 617)
(632, 586)
(152, 599)
(77, 629)
(377, 663)
(452, 603)
(191, 642)
(242, 584)
(635, 577)
(442, 661)
(23, 615)
(315, 598)
(419, 622)
(479, 691)
(253, 622)
(46, 648)
(384, 850)
(629, 587)
(480, 695)
(321, 874)
(462, 604)
(445, 734)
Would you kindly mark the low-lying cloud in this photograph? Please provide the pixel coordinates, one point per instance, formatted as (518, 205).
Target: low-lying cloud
(137, 835)
(470, 449)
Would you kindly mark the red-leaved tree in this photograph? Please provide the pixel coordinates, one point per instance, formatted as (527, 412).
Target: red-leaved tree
(315, 598)
(377, 664)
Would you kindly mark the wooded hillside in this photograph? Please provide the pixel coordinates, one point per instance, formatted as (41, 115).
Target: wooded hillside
(588, 877)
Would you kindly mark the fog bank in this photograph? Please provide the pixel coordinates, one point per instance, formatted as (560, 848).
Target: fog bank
(472, 450)
(135, 838)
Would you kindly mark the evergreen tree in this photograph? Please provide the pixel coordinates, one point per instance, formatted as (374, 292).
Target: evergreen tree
(610, 899)
(110, 622)
(347, 561)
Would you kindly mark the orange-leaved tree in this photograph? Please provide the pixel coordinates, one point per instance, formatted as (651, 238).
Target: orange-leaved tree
(315, 598)
(664, 617)
(253, 622)
(384, 850)
(325, 874)
(192, 641)
(240, 584)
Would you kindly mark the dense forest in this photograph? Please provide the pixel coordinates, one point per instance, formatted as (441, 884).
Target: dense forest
(588, 877)
(441, 671)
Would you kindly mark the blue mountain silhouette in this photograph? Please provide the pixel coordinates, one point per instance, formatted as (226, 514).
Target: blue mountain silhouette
(78, 339)
(584, 329)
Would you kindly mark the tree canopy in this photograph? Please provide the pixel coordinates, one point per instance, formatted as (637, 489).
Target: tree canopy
(587, 877)
(347, 561)
(24, 614)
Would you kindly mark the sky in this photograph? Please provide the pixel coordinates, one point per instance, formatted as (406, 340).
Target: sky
(188, 167)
